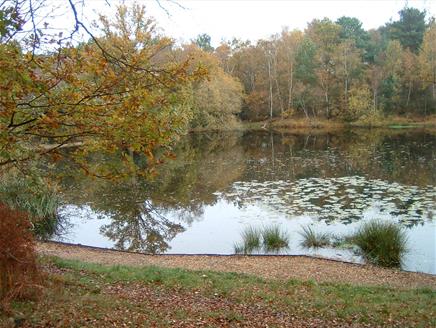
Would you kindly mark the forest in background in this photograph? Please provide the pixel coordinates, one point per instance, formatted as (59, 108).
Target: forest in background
(336, 70)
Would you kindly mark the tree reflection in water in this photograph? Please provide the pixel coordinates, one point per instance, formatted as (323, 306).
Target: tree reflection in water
(142, 229)
(140, 209)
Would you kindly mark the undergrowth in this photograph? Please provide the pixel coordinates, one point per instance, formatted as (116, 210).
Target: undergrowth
(19, 276)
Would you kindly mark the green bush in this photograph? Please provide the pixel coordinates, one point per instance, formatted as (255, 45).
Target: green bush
(381, 243)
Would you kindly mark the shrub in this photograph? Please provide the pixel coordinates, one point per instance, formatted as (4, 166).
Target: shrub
(359, 103)
(313, 239)
(274, 239)
(381, 243)
(18, 267)
(35, 197)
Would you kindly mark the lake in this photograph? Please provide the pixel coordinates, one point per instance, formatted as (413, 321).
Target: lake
(220, 183)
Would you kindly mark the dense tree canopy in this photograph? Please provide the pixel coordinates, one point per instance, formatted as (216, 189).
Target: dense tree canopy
(332, 68)
(121, 90)
(203, 42)
(409, 29)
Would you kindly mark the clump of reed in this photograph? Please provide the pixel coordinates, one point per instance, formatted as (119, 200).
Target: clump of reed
(381, 243)
(251, 241)
(268, 239)
(314, 239)
(274, 239)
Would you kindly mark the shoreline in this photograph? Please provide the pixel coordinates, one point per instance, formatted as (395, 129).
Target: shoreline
(266, 266)
(388, 123)
(313, 257)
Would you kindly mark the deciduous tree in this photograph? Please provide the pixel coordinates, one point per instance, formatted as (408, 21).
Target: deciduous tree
(122, 90)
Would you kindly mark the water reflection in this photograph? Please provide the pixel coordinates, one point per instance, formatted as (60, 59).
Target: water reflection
(342, 199)
(221, 179)
(142, 229)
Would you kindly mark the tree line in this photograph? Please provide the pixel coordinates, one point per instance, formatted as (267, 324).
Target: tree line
(336, 69)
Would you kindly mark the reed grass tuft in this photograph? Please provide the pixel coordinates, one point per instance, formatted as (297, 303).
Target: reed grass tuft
(381, 243)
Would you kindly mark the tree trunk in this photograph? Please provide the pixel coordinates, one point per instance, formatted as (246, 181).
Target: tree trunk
(433, 64)
(346, 79)
(408, 93)
(291, 86)
(374, 100)
(346, 92)
(305, 109)
(313, 112)
(327, 110)
(252, 81)
(277, 83)
(434, 84)
(270, 89)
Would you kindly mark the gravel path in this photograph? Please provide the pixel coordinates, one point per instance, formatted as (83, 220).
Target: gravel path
(271, 267)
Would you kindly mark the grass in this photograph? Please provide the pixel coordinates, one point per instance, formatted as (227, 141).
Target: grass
(381, 243)
(313, 239)
(274, 239)
(270, 239)
(82, 294)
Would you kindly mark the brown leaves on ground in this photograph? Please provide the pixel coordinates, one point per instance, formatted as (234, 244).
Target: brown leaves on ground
(135, 304)
(179, 308)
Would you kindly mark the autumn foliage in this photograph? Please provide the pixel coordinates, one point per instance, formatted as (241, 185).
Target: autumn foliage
(121, 90)
(19, 275)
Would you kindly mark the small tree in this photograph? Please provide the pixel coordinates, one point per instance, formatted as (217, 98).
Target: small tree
(359, 103)
(203, 42)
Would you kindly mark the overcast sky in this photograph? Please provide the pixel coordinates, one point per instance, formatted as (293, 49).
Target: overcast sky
(259, 19)
(248, 19)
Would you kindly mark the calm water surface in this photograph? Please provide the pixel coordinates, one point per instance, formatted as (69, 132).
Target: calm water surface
(221, 183)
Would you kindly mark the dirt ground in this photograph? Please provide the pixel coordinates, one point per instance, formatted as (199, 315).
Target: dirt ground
(270, 267)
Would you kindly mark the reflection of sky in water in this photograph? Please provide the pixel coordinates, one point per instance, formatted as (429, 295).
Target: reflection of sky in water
(221, 183)
(337, 205)
(85, 227)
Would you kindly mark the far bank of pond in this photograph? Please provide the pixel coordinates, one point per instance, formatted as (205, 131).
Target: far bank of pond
(220, 183)
(303, 125)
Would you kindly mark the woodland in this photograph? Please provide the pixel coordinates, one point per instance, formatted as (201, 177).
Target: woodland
(337, 70)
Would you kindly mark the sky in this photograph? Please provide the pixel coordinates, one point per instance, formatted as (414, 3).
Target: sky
(254, 19)
(224, 19)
